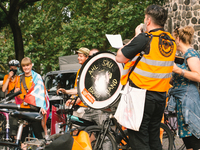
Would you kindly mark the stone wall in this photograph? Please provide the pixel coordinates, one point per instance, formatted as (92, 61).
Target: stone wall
(183, 13)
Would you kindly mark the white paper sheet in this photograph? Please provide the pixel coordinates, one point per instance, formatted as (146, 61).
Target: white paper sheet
(115, 40)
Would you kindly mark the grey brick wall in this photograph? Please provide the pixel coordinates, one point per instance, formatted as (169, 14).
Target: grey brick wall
(183, 13)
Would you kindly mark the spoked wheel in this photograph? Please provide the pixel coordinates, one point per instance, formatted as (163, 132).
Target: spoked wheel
(178, 144)
(166, 137)
(97, 141)
(8, 148)
(2, 126)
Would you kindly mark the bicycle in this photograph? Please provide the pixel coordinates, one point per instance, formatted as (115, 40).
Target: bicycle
(24, 116)
(5, 124)
(170, 120)
(68, 119)
(119, 137)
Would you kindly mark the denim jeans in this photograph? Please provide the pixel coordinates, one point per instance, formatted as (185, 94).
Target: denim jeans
(147, 138)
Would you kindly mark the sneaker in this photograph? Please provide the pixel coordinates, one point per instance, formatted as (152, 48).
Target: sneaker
(46, 137)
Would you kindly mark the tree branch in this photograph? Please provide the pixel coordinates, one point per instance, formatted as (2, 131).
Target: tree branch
(4, 9)
(32, 0)
(26, 1)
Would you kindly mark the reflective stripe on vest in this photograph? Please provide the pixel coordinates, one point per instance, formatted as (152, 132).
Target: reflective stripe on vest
(127, 68)
(157, 62)
(152, 75)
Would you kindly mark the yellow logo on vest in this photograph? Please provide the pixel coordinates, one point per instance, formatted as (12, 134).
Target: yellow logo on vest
(166, 45)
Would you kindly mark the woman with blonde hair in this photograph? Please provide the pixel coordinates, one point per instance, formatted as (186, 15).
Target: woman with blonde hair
(184, 95)
(34, 95)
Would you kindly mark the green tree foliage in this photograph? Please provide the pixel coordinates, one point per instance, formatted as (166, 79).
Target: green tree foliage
(9, 15)
(56, 28)
(43, 41)
(92, 19)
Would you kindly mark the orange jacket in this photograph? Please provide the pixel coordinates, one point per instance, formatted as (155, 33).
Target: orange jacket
(153, 71)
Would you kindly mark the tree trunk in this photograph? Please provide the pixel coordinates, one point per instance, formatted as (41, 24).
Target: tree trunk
(18, 42)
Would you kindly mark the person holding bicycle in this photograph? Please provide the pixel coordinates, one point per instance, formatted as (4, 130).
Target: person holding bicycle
(83, 54)
(34, 96)
(10, 79)
(88, 114)
(152, 73)
(184, 95)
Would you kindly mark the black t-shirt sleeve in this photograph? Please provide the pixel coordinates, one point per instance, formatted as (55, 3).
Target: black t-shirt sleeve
(135, 46)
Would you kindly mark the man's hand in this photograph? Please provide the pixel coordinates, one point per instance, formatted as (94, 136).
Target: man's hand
(69, 102)
(61, 90)
(138, 29)
(16, 90)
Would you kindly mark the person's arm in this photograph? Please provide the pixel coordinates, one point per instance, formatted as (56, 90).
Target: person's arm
(17, 84)
(70, 92)
(6, 82)
(194, 65)
(71, 102)
(120, 58)
(133, 47)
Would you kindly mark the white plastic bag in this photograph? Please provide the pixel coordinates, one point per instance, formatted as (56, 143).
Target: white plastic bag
(130, 110)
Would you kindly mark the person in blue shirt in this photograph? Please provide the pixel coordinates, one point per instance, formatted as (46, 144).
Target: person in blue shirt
(185, 93)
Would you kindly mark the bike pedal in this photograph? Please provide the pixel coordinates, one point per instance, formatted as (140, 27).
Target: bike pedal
(34, 141)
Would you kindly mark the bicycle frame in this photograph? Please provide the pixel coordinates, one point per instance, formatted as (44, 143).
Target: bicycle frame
(106, 127)
(24, 118)
(7, 138)
(6, 101)
(64, 117)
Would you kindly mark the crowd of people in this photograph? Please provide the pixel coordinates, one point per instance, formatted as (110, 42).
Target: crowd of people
(152, 73)
(33, 96)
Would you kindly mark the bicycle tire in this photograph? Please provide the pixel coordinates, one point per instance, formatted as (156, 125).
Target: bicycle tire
(2, 126)
(167, 137)
(109, 141)
(8, 148)
(178, 143)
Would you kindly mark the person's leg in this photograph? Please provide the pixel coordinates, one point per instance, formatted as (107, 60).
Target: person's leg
(37, 129)
(154, 127)
(102, 116)
(191, 143)
(24, 133)
(186, 141)
(139, 140)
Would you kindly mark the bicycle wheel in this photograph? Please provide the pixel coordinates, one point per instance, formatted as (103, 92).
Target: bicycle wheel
(95, 134)
(178, 143)
(2, 126)
(8, 148)
(166, 137)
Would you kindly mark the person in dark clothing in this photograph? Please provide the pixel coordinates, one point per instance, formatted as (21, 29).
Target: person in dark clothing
(152, 73)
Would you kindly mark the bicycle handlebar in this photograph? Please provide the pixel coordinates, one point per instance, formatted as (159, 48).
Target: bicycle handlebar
(11, 96)
(10, 106)
(15, 106)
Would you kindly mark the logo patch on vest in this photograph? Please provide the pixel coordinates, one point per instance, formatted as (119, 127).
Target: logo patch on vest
(166, 45)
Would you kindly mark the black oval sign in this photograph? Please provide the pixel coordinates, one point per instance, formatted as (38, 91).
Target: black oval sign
(99, 81)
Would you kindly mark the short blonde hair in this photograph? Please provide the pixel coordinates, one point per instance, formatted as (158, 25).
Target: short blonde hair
(26, 61)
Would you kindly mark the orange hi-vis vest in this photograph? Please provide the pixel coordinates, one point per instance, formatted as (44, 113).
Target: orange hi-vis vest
(153, 71)
(75, 86)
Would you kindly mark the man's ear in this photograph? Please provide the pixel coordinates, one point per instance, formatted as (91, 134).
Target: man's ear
(149, 20)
